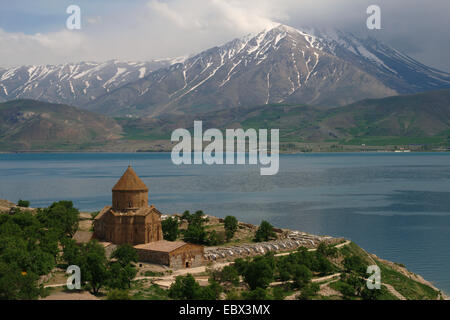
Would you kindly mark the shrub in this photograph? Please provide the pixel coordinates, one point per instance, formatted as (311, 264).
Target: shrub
(23, 203)
(265, 232)
(170, 229)
(231, 225)
(117, 294)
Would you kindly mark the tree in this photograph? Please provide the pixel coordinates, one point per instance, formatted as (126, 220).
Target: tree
(71, 252)
(326, 250)
(258, 273)
(125, 254)
(185, 288)
(122, 271)
(23, 203)
(256, 294)
(302, 275)
(231, 225)
(211, 292)
(355, 264)
(240, 265)
(227, 274)
(265, 232)
(195, 233)
(120, 277)
(94, 266)
(16, 284)
(60, 216)
(309, 291)
(170, 228)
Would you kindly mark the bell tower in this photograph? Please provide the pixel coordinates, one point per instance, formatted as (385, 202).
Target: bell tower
(130, 192)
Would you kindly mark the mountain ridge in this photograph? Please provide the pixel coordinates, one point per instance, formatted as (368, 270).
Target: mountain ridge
(280, 64)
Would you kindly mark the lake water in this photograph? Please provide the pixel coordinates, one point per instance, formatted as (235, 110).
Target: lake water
(394, 205)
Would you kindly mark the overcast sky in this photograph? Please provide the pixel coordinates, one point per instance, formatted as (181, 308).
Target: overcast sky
(34, 31)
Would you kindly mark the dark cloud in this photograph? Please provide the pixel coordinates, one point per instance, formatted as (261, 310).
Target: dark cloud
(146, 29)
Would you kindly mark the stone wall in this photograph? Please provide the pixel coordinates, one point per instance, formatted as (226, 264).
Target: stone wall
(129, 200)
(154, 256)
(132, 229)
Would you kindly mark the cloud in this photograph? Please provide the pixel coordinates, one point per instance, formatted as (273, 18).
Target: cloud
(147, 29)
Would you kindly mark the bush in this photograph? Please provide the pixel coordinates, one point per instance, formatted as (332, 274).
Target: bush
(302, 275)
(170, 229)
(117, 294)
(258, 273)
(228, 274)
(23, 203)
(215, 238)
(256, 294)
(231, 225)
(355, 264)
(309, 291)
(265, 232)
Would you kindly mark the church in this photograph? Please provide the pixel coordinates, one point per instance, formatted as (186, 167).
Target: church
(131, 220)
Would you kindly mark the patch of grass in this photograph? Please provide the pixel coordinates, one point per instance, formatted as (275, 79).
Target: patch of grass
(410, 289)
(153, 292)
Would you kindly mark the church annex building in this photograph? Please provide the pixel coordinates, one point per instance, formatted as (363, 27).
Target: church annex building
(131, 220)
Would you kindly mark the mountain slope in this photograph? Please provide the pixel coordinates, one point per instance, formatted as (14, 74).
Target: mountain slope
(419, 118)
(278, 65)
(74, 83)
(29, 124)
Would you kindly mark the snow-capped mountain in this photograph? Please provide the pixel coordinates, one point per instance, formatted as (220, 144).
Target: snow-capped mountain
(278, 65)
(74, 84)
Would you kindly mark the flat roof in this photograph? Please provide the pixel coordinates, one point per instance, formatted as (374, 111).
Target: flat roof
(161, 246)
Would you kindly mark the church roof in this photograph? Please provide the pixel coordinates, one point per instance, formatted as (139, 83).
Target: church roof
(130, 182)
(161, 246)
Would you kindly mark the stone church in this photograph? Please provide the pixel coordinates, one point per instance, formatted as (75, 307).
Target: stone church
(130, 219)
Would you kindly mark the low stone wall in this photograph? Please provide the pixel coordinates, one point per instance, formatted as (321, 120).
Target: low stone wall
(293, 241)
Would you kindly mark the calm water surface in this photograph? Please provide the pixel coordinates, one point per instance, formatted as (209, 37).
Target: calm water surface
(394, 205)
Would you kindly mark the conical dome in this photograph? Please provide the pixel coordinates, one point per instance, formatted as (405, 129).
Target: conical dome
(130, 182)
(129, 193)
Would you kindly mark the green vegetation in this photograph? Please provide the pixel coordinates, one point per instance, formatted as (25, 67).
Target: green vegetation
(231, 225)
(186, 288)
(29, 247)
(407, 287)
(265, 232)
(170, 228)
(23, 203)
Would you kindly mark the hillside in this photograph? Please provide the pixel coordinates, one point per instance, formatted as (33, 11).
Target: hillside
(420, 119)
(411, 119)
(27, 125)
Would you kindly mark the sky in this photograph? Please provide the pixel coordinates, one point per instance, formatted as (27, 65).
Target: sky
(35, 32)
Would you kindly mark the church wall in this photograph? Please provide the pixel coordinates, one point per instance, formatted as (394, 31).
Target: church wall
(153, 256)
(188, 256)
(125, 200)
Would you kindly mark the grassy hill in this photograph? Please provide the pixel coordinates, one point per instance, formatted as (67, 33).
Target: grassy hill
(401, 120)
(420, 120)
(33, 125)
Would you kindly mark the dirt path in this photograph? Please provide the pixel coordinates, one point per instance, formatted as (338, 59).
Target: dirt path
(336, 246)
(393, 291)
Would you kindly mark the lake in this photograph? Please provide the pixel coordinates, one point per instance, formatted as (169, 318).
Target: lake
(396, 205)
